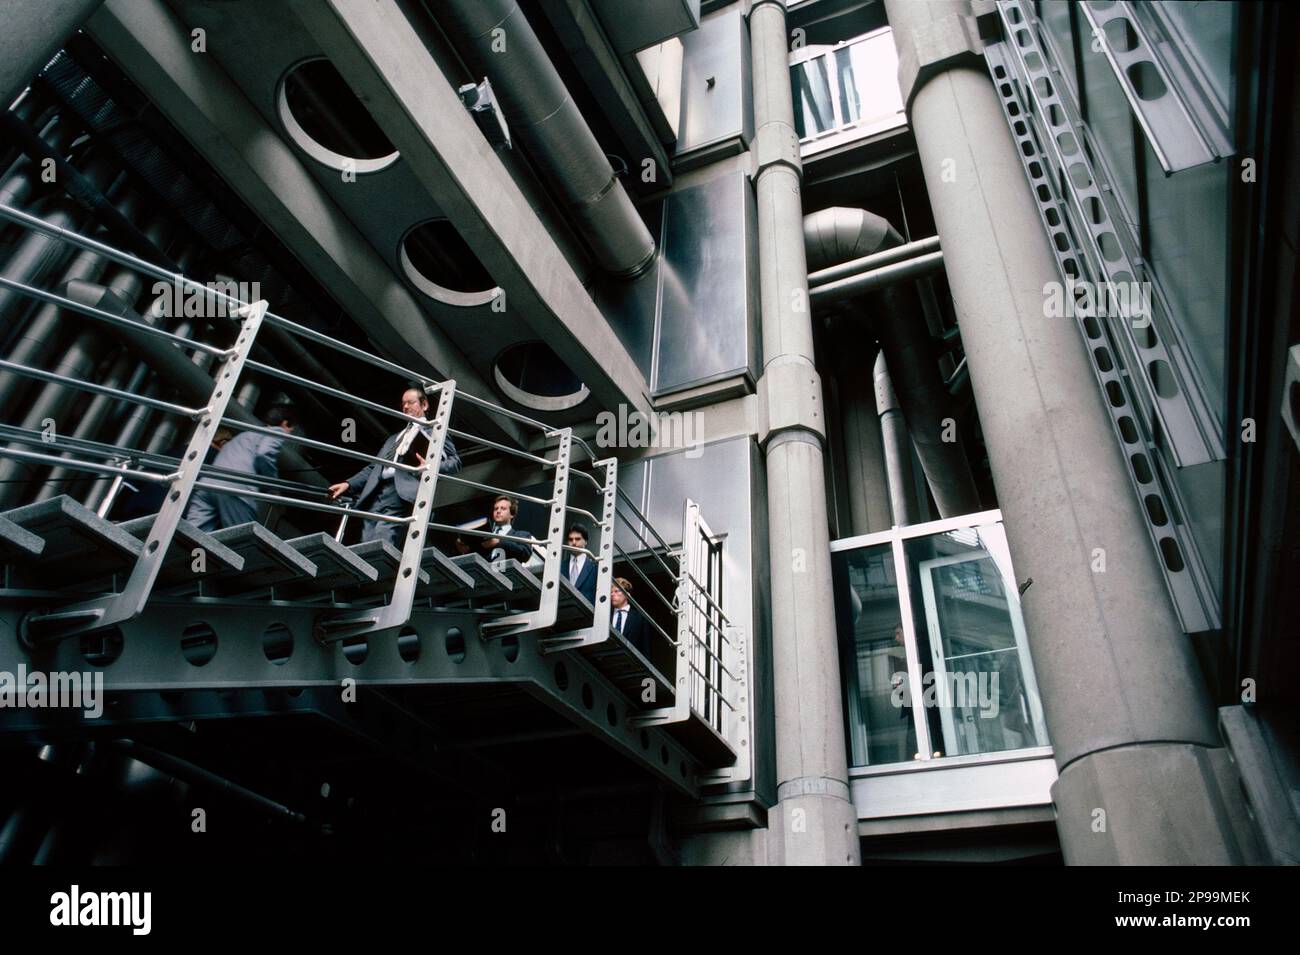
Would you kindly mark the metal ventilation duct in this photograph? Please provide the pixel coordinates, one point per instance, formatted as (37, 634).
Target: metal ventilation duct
(543, 115)
(838, 235)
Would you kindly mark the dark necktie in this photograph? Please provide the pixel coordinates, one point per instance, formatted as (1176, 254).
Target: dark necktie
(619, 617)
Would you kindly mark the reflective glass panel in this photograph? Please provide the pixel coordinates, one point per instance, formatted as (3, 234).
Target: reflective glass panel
(813, 109)
(971, 642)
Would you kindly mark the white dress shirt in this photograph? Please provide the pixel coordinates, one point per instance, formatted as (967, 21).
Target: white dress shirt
(404, 445)
(576, 563)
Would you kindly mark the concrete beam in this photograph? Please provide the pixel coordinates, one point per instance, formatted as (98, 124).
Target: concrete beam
(152, 46)
(33, 31)
(388, 66)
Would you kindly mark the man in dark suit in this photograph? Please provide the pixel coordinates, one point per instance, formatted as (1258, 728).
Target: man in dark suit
(579, 569)
(504, 511)
(389, 490)
(251, 453)
(625, 619)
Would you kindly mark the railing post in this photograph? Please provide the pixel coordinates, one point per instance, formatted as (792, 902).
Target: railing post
(598, 632)
(106, 611)
(680, 711)
(549, 606)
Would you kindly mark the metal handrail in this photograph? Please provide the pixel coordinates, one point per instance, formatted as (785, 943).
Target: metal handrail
(722, 697)
(320, 445)
(672, 607)
(504, 448)
(90, 311)
(650, 549)
(29, 372)
(457, 479)
(650, 620)
(176, 278)
(704, 643)
(326, 389)
(76, 465)
(645, 520)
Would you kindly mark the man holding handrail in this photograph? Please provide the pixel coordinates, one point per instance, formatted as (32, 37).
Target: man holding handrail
(391, 490)
(249, 452)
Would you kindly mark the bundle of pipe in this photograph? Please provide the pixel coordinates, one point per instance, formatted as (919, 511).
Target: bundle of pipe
(837, 235)
(545, 118)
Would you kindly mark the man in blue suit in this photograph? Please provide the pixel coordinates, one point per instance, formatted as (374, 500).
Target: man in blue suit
(250, 453)
(626, 619)
(579, 569)
(390, 490)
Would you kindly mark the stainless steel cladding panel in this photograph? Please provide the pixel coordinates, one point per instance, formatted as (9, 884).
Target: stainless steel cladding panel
(717, 110)
(706, 284)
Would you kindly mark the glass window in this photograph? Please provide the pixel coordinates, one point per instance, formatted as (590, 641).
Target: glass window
(971, 641)
(877, 688)
(1106, 111)
(868, 80)
(854, 84)
(936, 664)
(813, 110)
(1187, 242)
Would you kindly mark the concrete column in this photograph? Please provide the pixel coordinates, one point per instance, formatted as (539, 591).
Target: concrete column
(33, 31)
(1141, 768)
(813, 822)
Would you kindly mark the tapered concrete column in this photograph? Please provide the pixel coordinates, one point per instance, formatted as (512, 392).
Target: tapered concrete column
(813, 822)
(1141, 772)
(33, 31)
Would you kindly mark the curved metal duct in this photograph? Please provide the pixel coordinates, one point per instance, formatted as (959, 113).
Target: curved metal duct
(839, 234)
(543, 115)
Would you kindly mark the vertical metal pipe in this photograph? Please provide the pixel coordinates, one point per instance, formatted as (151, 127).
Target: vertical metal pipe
(897, 447)
(814, 822)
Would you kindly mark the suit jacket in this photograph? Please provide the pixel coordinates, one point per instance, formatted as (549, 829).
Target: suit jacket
(364, 483)
(635, 630)
(516, 549)
(250, 453)
(586, 583)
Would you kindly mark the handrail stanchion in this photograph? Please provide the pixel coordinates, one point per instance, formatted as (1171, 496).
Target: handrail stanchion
(105, 611)
(598, 632)
(548, 608)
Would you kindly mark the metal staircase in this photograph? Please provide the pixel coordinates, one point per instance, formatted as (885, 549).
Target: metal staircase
(188, 625)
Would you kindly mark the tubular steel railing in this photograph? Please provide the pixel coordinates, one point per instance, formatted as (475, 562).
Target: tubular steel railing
(706, 662)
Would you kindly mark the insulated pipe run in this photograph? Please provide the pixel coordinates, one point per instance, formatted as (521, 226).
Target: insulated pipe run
(870, 263)
(875, 279)
(543, 115)
(897, 448)
(899, 324)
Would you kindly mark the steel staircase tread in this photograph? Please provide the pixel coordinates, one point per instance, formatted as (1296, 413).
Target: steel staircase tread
(268, 559)
(626, 667)
(18, 542)
(573, 605)
(525, 586)
(444, 576)
(386, 560)
(178, 565)
(336, 566)
(488, 583)
(75, 537)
